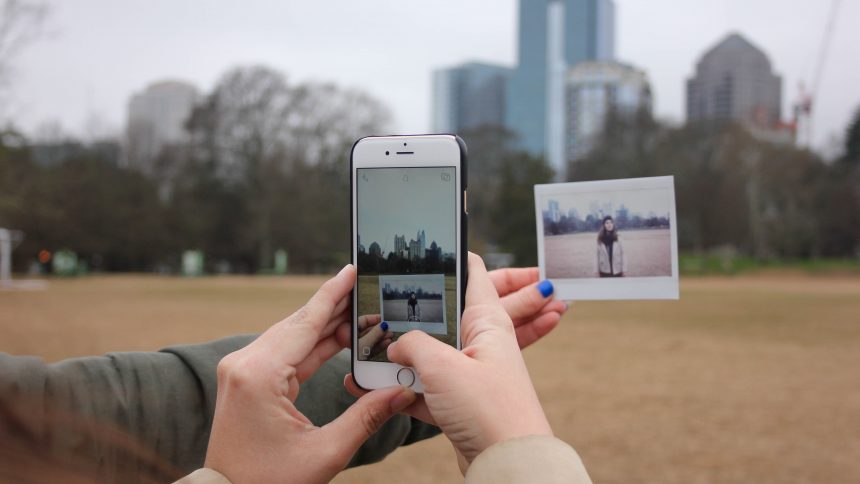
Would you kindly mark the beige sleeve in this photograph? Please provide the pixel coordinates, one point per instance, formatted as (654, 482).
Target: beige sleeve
(535, 459)
(204, 476)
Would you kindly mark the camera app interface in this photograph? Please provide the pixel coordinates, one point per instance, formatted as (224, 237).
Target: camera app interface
(407, 256)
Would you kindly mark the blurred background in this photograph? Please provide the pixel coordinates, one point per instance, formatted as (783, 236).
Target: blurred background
(146, 147)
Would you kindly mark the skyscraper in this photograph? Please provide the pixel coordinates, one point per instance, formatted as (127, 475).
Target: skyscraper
(156, 117)
(734, 81)
(553, 35)
(468, 96)
(593, 90)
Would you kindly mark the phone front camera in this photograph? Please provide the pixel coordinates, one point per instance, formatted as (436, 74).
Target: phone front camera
(386, 153)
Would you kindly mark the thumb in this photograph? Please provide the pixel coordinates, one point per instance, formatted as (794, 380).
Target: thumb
(422, 352)
(363, 418)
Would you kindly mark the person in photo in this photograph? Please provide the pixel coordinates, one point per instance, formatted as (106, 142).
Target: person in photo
(610, 260)
(413, 308)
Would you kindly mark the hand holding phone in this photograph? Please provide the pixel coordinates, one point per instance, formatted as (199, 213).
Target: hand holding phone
(408, 243)
(483, 394)
(258, 435)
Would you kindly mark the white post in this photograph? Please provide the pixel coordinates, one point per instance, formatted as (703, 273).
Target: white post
(5, 256)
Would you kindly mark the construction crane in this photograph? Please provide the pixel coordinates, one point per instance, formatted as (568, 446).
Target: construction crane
(802, 120)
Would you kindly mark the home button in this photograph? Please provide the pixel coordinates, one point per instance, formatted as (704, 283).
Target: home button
(406, 377)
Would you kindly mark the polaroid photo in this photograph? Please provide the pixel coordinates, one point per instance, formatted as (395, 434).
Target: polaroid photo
(410, 302)
(611, 239)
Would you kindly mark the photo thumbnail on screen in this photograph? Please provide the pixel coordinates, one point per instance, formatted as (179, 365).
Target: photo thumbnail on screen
(406, 247)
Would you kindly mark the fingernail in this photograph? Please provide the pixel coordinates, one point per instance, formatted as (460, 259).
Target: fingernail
(545, 288)
(384, 326)
(566, 306)
(390, 347)
(403, 399)
(344, 268)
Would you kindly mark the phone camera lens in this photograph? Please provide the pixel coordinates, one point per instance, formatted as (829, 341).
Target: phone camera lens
(404, 144)
(386, 153)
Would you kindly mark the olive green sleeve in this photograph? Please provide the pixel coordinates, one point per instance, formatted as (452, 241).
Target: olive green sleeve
(165, 401)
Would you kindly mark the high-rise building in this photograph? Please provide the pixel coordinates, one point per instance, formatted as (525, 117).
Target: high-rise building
(468, 96)
(156, 118)
(594, 90)
(422, 241)
(554, 213)
(734, 81)
(400, 244)
(553, 36)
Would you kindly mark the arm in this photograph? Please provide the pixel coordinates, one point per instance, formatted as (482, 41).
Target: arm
(623, 256)
(165, 401)
(533, 459)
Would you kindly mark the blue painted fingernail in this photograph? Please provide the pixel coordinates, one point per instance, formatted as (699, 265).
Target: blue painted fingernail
(545, 288)
(384, 326)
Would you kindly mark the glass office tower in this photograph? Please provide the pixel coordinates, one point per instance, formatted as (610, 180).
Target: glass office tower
(584, 31)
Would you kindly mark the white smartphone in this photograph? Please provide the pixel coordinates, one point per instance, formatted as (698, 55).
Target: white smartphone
(409, 224)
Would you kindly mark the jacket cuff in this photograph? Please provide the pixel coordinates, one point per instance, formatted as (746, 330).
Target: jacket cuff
(204, 476)
(530, 459)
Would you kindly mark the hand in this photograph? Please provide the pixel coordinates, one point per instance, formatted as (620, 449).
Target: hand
(258, 435)
(372, 336)
(482, 395)
(529, 304)
(535, 313)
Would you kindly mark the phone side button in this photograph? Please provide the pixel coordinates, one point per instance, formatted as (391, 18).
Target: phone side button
(406, 377)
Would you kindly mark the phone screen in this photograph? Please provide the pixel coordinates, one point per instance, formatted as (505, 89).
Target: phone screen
(406, 223)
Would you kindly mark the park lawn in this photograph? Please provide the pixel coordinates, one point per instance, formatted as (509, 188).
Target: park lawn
(745, 379)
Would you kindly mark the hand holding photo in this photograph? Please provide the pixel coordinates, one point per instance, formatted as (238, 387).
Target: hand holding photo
(611, 239)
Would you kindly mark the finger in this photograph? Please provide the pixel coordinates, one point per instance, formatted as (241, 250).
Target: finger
(418, 409)
(423, 352)
(513, 279)
(343, 335)
(554, 306)
(528, 301)
(321, 353)
(374, 335)
(294, 337)
(368, 320)
(480, 290)
(530, 332)
(380, 347)
(363, 419)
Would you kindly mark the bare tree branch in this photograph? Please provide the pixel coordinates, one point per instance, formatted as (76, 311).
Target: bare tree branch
(21, 23)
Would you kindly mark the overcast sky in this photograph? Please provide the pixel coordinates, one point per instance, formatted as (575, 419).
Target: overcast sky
(403, 201)
(101, 51)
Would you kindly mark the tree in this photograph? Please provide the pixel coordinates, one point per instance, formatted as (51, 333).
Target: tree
(279, 152)
(512, 216)
(21, 23)
(852, 141)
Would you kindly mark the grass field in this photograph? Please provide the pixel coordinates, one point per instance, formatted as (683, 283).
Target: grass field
(745, 379)
(648, 253)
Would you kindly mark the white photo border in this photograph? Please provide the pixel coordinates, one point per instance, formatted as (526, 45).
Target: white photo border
(584, 289)
(405, 326)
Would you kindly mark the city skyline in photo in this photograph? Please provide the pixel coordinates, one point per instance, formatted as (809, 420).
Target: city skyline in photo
(394, 202)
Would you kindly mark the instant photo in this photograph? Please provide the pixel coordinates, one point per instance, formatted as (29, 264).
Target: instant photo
(406, 253)
(413, 302)
(611, 239)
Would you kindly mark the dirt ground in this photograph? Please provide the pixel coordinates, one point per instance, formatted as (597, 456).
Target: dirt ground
(648, 254)
(746, 379)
